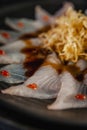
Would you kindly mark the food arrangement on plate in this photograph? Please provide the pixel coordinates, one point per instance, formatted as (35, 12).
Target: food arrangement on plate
(47, 56)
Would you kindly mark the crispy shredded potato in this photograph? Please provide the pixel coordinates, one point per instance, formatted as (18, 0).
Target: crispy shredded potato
(68, 36)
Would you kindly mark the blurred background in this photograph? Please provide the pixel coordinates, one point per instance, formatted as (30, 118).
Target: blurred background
(4, 3)
(9, 2)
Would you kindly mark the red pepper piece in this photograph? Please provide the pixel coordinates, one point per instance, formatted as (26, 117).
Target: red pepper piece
(2, 52)
(45, 18)
(32, 86)
(5, 73)
(80, 96)
(5, 35)
(20, 24)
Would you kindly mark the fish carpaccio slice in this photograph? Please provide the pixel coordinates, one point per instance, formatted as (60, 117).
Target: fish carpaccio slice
(43, 16)
(12, 52)
(7, 36)
(72, 94)
(46, 18)
(64, 8)
(44, 84)
(14, 73)
(24, 25)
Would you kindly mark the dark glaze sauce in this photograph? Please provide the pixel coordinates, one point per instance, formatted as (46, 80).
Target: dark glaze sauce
(35, 56)
(73, 69)
(32, 66)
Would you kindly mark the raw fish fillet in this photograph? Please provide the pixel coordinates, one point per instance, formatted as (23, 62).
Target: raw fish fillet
(70, 94)
(24, 25)
(64, 8)
(16, 73)
(13, 52)
(46, 79)
(7, 37)
(43, 16)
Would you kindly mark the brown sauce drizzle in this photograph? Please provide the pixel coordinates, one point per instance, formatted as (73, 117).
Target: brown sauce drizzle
(73, 69)
(32, 66)
(35, 56)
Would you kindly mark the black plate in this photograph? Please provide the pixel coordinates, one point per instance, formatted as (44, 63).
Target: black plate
(27, 109)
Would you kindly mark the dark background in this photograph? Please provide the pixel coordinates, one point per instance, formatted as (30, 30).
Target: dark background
(4, 3)
(9, 2)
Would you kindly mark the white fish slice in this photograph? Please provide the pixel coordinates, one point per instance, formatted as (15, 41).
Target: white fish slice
(63, 10)
(13, 51)
(14, 73)
(43, 16)
(36, 42)
(66, 98)
(15, 46)
(24, 25)
(46, 79)
(8, 36)
(82, 64)
(12, 58)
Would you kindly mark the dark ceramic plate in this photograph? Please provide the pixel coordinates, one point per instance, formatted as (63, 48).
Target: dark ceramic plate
(34, 111)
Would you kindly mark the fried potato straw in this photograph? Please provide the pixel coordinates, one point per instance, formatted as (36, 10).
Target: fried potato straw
(68, 36)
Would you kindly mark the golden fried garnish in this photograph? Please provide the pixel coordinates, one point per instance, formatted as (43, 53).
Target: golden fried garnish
(68, 36)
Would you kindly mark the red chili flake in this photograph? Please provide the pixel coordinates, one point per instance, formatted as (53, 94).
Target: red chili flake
(2, 52)
(5, 73)
(45, 18)
(80, 96)
(32, 86)
(20, 24)
(5, 35)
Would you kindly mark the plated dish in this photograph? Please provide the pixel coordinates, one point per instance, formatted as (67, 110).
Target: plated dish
(79, 95)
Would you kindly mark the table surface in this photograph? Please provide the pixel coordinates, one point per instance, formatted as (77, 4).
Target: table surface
(12, 122)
